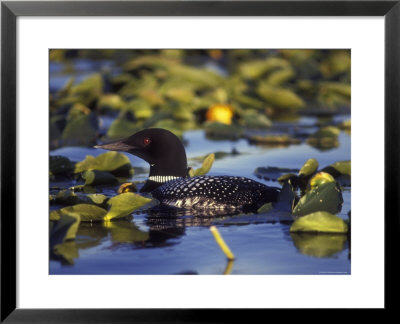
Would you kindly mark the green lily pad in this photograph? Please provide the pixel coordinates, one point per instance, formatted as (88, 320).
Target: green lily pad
(81, 131)
(265, 208)
(98, 199)
(215, 130)
(280, 97)
(206, 166)
(320, 221)
(273, 173)
(114, 162)
(308, 168)
(253, 119)
(256, 68)
(87, 212)
(325, 138)
(121, 127)
(96, 178)
(281, 76)
(341, 167)
(111, 101)
(61, 165)
(319, 179)
(273, 140)
(124, 204)
(327, 197)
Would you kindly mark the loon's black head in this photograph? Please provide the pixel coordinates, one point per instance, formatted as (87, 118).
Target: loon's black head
(160, 148)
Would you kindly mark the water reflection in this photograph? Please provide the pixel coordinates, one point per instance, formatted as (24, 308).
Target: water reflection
(163, 227)
(319, 245)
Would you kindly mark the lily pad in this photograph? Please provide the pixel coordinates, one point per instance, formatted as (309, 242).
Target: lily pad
(216, 130)
(253, 119)
(87, 212)
(273, 140)
(319, 179)
(281, 76)
(121, 127)
(325, 138)
(114, 162)
(308, 168)
(327, 197)
(256, 68)
(96, 178)
(272, 173)
(124, 204)
(280, 97)
(320, 221)
(338, 168)
(61, 165)
(81, 131)
(206, 166)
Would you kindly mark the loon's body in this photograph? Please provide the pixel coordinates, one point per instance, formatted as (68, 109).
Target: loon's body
(217, 192)
(169, 183)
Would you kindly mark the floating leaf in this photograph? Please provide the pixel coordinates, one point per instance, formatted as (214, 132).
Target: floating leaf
(121, 127)
(341, 167)
(77, 110)
(87, 213)
(326, 197)
(98, 199)
(320, 221)
(81, 131)
(95, 178)
(280, 76)
(216, 130)
(280, 97)
(308, 168)
(124, 204)
(272, 173)
(319, 179)
(256, 68)
(273, 140)
(111, 101)
(325, 137)
(253, 119)
(60, 165)
(206, 166)
(114, 162)
(265, 208)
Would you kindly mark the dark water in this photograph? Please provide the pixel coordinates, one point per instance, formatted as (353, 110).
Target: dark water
(262, 244)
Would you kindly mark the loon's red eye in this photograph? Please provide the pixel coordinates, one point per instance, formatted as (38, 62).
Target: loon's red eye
(146, 141)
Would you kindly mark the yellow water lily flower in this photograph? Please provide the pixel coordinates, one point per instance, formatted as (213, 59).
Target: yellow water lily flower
(221, 113)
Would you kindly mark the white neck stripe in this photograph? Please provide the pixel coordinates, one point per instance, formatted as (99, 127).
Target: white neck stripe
(162, 179)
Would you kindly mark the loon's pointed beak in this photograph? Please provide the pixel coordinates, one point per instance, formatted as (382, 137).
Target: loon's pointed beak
(120, 146)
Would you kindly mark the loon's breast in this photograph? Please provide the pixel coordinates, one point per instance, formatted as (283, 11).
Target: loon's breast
(219, 192)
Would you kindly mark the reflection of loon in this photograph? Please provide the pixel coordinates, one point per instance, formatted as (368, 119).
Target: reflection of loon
(168, 181)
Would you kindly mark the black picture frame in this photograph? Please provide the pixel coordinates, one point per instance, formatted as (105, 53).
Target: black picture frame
(10, 10)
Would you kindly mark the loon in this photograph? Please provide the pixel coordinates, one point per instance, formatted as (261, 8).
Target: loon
(169, 182)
